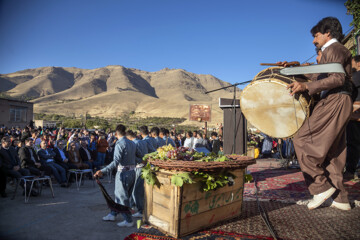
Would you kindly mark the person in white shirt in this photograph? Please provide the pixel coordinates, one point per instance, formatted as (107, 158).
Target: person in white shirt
(189, 141)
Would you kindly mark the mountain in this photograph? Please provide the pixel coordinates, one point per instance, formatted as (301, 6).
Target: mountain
(114, 90)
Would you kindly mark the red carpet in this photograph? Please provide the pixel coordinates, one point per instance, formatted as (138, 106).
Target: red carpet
(285, 185)
(205, 235)
(275, 184)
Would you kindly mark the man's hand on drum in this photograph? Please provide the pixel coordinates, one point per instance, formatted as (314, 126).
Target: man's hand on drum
(297, 87)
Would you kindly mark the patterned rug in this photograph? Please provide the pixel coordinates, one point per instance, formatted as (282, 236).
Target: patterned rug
(279, 189)
(204, 235)
(285, 185)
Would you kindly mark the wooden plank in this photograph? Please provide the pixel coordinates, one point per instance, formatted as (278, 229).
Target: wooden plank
(163, 190)
(162, 199)
(148, 201)
(159, 224)
(212, 201)
(161, 212)
(197, 222)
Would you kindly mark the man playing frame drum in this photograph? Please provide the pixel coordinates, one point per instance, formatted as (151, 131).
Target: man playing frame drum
(320, 143)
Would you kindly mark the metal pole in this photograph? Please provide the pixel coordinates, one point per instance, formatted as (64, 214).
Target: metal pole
(235, 130)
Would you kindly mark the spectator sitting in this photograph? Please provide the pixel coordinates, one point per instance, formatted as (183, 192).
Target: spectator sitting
(86, 156)
(102, 146)
(74, 139)
(11, 163)
(189, 141)
(62, 156)
(31, 161)
(155, 134)
(47, 159)
(75, 158)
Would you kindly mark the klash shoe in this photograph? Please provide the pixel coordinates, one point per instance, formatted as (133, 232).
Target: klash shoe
(137, 215)
(109, 217)
(320, 198)
(126, 224)
(341, 206)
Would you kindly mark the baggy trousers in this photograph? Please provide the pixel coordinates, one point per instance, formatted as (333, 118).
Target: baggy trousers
(124, 184)
(138, 191)
(320, 145)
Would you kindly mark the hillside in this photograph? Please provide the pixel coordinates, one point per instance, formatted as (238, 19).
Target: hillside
(113, 90)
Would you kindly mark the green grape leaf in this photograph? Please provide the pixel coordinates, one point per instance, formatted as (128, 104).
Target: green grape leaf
(177, 181)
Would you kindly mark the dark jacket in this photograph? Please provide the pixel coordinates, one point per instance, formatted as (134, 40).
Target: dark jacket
(83, 155)
(216, 146)
(9, 158)
(44, 155)
(333, 82)
(25, 157)
(58, 157)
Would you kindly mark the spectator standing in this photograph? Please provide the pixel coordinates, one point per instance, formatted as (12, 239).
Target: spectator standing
(353, 127)
(155, 131)
(189, 141)
(102, 146)
(144, 132)
(215, 143)
(165, 135)
(92, 146)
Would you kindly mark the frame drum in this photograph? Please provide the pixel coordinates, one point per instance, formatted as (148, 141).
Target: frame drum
(268, 106)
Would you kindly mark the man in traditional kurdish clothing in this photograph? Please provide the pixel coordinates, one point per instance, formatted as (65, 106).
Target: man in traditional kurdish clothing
(320, 143)
(124, 162)
(138, 191)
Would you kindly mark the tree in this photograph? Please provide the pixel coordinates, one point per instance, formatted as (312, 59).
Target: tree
(353, 8)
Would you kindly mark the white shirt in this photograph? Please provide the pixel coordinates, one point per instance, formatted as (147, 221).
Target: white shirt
(189, 143)
(331, 41)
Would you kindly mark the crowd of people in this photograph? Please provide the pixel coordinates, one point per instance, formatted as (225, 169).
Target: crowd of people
(53, 152)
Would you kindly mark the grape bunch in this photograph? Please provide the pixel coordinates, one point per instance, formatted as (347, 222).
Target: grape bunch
(162, 151)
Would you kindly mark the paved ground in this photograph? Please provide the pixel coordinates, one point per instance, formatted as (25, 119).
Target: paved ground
(72, 214)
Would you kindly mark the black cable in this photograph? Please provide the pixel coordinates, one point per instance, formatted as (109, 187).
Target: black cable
(263, 213)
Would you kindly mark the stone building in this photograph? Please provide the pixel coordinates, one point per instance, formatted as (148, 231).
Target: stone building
(14, 113)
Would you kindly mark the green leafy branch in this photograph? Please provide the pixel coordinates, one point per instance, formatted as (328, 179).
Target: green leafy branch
(212, 181)
(181, 178)
(148, 173)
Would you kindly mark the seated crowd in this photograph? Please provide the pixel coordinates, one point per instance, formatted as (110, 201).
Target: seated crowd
(53, 152)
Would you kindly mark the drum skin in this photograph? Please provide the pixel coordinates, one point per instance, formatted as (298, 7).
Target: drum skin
(268, 105)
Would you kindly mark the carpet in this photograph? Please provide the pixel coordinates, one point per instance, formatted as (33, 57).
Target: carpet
(280, 189)
(285, 185)
(204, 235)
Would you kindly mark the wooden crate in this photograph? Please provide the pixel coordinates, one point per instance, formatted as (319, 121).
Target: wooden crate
(179, 211)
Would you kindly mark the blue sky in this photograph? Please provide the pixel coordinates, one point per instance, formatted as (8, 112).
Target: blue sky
(225, 38)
